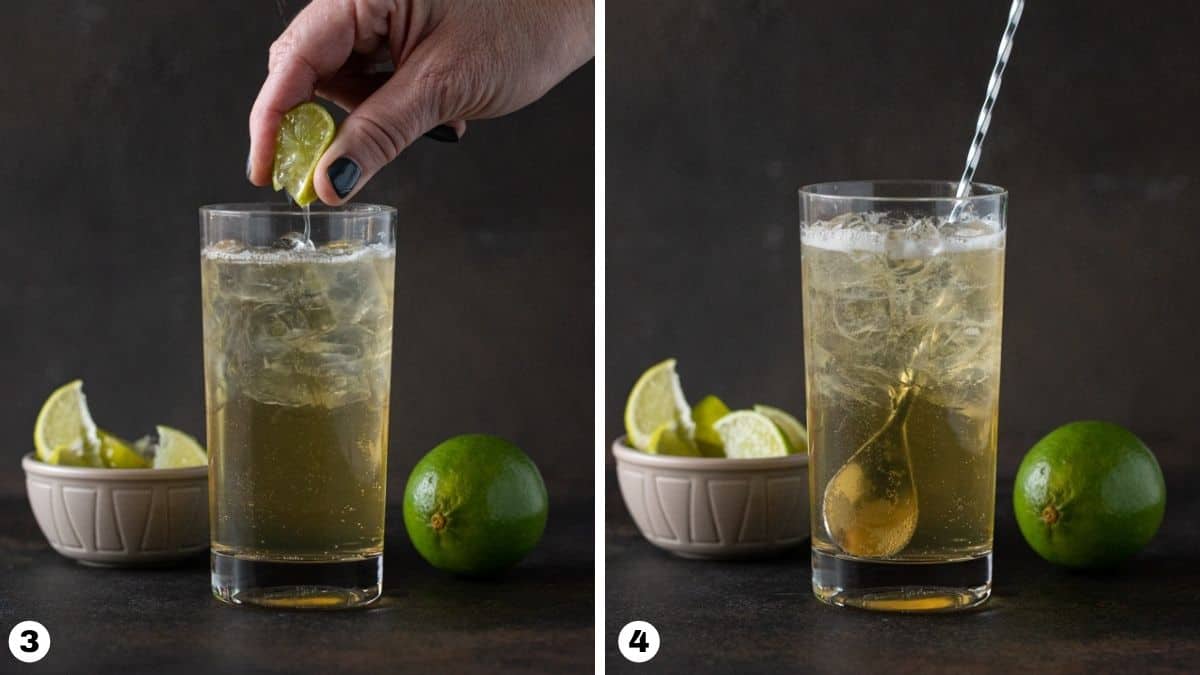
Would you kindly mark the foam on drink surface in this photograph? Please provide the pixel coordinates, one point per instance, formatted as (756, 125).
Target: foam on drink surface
(232, 251)
(902, 239)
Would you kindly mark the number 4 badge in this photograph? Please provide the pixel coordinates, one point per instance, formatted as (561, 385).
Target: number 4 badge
(638, 641)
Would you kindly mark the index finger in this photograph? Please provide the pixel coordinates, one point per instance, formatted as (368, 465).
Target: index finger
(313, 47)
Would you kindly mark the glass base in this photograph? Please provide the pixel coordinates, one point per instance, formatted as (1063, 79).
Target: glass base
(297, 585)
(902, 587)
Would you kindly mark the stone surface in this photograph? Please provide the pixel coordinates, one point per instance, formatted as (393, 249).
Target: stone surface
(761, 617)
(537, 618)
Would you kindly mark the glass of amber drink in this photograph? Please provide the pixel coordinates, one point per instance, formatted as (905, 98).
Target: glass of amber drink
(903, 298)
(297, 363)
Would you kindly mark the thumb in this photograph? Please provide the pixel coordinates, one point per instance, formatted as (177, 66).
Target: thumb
(378, 130)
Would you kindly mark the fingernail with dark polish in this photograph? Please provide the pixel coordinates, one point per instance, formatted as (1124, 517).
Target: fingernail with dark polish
(343, 174)
(444, 133)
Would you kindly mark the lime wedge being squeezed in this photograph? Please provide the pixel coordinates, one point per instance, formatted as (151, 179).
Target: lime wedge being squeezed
(305, 132)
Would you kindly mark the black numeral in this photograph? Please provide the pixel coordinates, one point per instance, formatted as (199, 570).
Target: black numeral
(32, 637)
(638, 641)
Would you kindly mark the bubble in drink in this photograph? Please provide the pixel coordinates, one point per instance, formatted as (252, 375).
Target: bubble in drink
(292, 241)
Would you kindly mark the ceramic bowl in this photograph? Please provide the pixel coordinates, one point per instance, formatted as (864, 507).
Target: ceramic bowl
(119, 516)
(701, 507)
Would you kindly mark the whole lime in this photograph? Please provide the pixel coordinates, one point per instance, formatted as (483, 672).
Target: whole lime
(475, 505)
(1089, 494)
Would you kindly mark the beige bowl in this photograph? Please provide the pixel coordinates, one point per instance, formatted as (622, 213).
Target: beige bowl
(119, 516)
(700, 507)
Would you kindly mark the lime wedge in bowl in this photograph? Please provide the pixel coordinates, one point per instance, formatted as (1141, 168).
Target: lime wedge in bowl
(118, 454)
(791, 427)
(706, 413)
(65, 456)
(668, 440)
(64, 432)
(748, 434)
(657, 399)
(177, 450)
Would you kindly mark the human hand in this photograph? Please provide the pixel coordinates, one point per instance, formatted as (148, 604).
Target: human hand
(404, 67)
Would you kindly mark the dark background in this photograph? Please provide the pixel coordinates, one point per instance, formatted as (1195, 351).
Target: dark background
(719, 110)
(121, 119)
(117, 121)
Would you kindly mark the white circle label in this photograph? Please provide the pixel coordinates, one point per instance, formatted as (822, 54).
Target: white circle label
(638, 641)
(29, 641)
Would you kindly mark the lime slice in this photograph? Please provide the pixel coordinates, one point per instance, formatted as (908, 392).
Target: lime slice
(706, 413)
(656, 399)
(748, 434)
(304, 133)
(65, 429)
(792, 428)
(65, 456)
(117, 454)
(177, 449)
(666, 440)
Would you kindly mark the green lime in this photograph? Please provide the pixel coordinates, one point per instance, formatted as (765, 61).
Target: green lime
(667, 440)
(64, 432)
(177, 450)
(748, 434)
(117, 454)
(1089, 494)
(65, 456)
(791, 427)
(705, 414)
(655, 400)
(305, 132)
(475, 505)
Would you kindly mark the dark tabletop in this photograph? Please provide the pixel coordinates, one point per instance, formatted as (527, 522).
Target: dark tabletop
(751, 617)
(537, 618)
